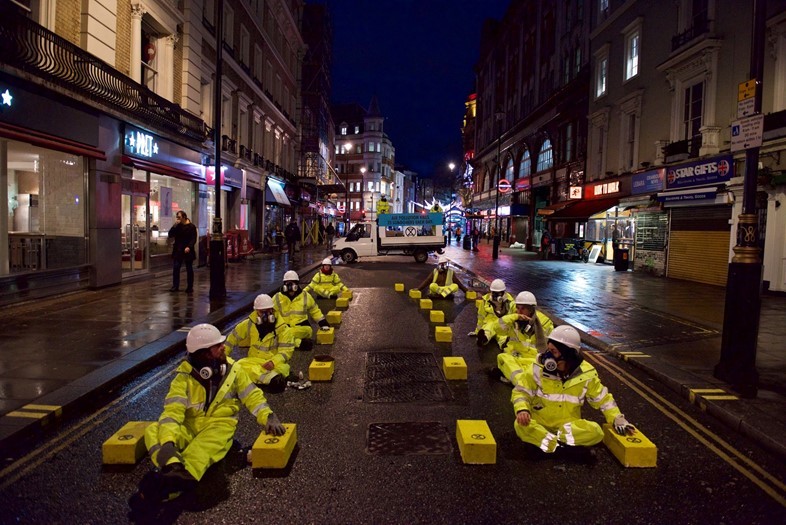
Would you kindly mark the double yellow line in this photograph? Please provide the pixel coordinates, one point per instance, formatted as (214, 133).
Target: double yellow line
(745, 466)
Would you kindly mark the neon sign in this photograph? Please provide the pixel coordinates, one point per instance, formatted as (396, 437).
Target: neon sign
(141, 144)
(7, 98)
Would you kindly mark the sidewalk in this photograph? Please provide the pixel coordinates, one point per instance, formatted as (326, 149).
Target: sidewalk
(57, 352)
(675, 325)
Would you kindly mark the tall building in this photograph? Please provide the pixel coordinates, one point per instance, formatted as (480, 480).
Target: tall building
(365, 158)
(106, 131)
(532, 80)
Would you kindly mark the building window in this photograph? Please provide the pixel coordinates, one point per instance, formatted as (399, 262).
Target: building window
(567, 142)
(601, 76)
(603, 9)
(244, 46)
(629, 150)
(545, 157)
(229, 26)
(525, 167)
(357, 130)
(258, 71)
(209, 11)
(693, 109)
(632, 47)
(343, 130)
(509, 170)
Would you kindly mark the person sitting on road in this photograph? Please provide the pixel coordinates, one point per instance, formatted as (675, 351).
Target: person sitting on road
(295, 306)
(549, 393)
(326, 283)
(270, 344)
(436, 208)
(528, 329)
(199, 420)
(442, 282)
(492, 306)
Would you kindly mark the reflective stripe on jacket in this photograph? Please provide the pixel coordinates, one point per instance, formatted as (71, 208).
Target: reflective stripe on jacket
(448, 277)
(486, 311)
(524, 344)
(554, 402)
(295, 311)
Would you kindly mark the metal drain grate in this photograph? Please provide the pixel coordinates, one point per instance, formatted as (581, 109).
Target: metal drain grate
(398, 377)
(398, 439)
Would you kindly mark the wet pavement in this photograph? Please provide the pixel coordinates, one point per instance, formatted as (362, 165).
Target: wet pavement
(56, 354)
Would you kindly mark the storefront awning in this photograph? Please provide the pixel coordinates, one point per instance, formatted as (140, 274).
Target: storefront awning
(553, 208)
(583, 210)
(705, 196)
(274, 194)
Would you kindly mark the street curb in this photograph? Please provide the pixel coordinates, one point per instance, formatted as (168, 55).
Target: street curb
(80, 395)
(681, 382)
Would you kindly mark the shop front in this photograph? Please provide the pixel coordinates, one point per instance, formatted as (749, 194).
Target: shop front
(45, 150)
(277, 206)
(541, 200)
(650, 221)
(519, 212)
(699, 219)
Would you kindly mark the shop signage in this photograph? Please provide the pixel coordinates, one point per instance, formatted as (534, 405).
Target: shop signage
(606, 188)
(712, 171)
(229, 176)
(689, 197)
(141, 144)
(575, 192)
(647, 182)
(7, 98)
(504, 186)
(522, 184)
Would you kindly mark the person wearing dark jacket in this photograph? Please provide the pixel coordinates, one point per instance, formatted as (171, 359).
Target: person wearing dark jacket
(184, 235)
(292, 235)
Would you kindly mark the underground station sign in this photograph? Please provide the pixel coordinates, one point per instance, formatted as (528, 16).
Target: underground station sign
(504, 186)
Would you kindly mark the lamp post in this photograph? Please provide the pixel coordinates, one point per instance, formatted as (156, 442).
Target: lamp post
(217, 278)
(495, 251)
(345, 149)
(742, 310)
(363, 190)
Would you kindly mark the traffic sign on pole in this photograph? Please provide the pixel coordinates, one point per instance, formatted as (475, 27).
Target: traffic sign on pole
(747, 132)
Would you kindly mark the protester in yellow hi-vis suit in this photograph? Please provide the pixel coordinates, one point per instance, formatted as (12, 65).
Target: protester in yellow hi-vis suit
(549, 394)
(270, 346)
(326, 282)
(492, 306)
(295, 306)
(199, 419)
(527, 330)
(442, 282)
(383, 206)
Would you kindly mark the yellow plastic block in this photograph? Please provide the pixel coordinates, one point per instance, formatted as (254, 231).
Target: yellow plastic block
(127, 445)
(479, 303)
(274, 451)
(426, 304)
(414, 294)
(443, 334)
(321, 368)
(346, 294)
(471, 296)
(399, 287)
(631, 451)
(436, 316)
(454, 368)
(334, 317)
(325, 337)
(476, 442)
(342, 302)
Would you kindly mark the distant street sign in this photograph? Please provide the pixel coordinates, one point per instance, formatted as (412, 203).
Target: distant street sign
(504, 186)
(747, 132)
(746, 90)
(746, 108)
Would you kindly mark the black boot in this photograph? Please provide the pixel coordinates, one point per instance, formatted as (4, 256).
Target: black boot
(306, 345)
(175, 480)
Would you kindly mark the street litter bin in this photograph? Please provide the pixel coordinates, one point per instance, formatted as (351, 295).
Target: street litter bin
(621, 257)
(467, 242)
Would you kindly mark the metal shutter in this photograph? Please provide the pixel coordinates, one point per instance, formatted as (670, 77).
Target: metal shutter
(699, 244)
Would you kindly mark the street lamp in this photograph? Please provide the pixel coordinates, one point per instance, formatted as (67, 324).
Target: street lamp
(363, 190)
(346, 148)
(495, 251)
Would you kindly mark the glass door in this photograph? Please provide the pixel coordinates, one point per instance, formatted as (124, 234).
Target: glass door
(133, 233)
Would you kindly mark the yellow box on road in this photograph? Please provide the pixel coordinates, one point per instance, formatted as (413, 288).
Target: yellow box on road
(399, 287)
(334, 317)
(476, 442)
(426, 304)
(436, 316)
(321, 368)
(414, 294)
(342, 302)
(347, 294)
(325, 337)
(443, 334)
(454, 368)
(127, 445)
(471, 296)
(274, 451)
(631, 451)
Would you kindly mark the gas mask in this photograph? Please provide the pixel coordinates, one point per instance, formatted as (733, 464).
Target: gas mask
(290, 287)
(549, 362)
(497, 296)
(206, 366)
(269, 318)
(442, 267)
(525, 327)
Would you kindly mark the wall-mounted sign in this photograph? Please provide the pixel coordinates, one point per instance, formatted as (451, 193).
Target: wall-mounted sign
(648, 181)
(7, 98)
(141, 144)
(605, 188)
(504, 186)
(710, 171)
(575, 192)
(522, 184)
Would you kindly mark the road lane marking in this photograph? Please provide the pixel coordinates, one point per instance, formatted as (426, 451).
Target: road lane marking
(674, 413)
(34, 458)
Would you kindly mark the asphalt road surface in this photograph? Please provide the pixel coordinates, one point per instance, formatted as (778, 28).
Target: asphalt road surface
(377, 444)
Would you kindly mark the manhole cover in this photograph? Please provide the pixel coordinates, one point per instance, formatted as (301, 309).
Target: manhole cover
(398, 377)
(397, 439)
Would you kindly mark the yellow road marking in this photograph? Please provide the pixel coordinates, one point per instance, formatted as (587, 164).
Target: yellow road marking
(57, 409)
(721, 398)
(680, 418)
(693, 391)
(28, 415)
(30, 461)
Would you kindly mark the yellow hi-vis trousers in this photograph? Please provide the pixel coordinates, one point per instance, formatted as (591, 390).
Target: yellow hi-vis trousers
(579, 432)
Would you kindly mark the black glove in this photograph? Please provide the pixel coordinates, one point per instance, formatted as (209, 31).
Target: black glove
(323, 323)
(274, 426)
(482, 338)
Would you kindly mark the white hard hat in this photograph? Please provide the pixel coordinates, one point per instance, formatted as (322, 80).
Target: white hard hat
(263, 302)
(568, 336)
(497, 285)
(526, 298)
(203, 336)
(443, 260)
(291, 275)
(328, 261)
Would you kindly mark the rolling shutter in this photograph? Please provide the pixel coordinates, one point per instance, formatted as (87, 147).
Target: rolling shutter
(699, 244)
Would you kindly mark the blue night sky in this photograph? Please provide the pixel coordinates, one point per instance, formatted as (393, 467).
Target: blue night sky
(417, 57)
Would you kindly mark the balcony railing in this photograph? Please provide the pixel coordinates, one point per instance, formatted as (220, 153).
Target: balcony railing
(682, 149)
(228, 144)
(28, 46)
(699, 27)
(245, 152)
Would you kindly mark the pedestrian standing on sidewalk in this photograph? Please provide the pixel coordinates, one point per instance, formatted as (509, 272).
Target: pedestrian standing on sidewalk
(548, 396)
(199, 420)
(475, 239)
(330, 232)
(545, 243)
(292, 235)
(184, 237)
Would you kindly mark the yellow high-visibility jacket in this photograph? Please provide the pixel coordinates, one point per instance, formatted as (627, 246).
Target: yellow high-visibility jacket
(486, 311)
(323, 284)
(553, 402)
(276, 346)
(519, 342)
(295, 311)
